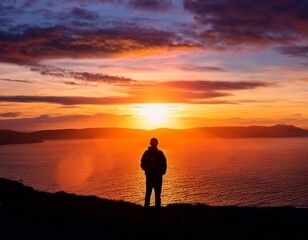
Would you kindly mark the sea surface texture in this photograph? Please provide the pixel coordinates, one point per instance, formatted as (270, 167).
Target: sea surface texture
(243, 172)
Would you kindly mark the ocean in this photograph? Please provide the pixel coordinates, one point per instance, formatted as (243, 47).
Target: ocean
(242, 172)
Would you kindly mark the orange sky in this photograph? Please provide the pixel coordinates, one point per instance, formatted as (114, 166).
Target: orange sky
(144, 65)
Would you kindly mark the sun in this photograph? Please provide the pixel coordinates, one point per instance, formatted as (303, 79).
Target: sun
(156, 114)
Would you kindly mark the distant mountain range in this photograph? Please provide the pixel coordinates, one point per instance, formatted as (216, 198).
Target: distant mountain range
(280, 130)
(12, 137)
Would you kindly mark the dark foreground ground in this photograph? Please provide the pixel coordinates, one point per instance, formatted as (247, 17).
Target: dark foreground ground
(29, 214)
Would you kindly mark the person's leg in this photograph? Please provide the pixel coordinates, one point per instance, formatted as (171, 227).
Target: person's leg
(157, 189)
(148, 193)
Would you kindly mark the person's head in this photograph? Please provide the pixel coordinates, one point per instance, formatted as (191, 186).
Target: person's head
(154, 142)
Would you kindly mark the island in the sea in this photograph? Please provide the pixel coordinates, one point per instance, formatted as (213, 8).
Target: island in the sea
(26, 213)
(280, 130)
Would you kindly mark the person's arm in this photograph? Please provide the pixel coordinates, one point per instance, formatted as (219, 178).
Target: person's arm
(164, 163)
(143, 161)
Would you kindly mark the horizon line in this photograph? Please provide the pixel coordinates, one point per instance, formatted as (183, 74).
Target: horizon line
(160, 128)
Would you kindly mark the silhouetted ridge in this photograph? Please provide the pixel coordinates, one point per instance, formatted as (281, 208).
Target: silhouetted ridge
(280, 130)
(88, 133)
(29, 214)
(10, 137)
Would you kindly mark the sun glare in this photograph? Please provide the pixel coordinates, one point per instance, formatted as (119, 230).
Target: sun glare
(155, 114)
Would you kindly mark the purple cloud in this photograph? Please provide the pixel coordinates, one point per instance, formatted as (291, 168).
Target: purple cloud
(214, 85)
(195, 92)
(294, 51)
(79, 100)
(151, 5)
(232, 23)
(79, 29)
(200, 68)
(84, 77)
(16, 80)
(32, 45)
(78, 13)
(10, 114)
(74, 100)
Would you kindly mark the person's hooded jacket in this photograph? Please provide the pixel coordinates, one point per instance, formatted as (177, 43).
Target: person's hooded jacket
(154, 162)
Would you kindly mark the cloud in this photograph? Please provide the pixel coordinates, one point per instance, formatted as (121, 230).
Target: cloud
(200, 68)
(168, 94)
(233, 23)
(5, 21)
(214, 85)
(46, 121)
(31, 45)
(194, 92)
(73, 100)
(78, 13)
(294, 51)
(136, 68)
(304, 79)
(151, 5)
(79, 100)
(74, 17)
(30, 3)
(79, 29)
(17, 80)
(84, 77)
(143, 5)
(10, 114)
(98, 1)
(157, 67)
(190, 91)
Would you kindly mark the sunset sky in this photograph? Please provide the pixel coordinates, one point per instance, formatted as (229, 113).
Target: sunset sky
(153, 63)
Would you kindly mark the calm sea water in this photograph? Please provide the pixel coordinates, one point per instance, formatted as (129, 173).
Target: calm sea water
(244, 172)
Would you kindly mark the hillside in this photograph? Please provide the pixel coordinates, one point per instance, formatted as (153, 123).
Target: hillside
(29, 214)
(12, 137)
(281, 130)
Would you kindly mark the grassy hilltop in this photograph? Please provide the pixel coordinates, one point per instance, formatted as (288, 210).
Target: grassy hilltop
(29, 214)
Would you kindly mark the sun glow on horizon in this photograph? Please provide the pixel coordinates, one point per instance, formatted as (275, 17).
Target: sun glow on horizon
(156, 114)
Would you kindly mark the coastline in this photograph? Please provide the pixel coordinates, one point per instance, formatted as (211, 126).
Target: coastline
(276, 131)
(28, 213)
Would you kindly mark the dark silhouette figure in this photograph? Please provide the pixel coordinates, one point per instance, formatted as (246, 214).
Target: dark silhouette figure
(154, 164)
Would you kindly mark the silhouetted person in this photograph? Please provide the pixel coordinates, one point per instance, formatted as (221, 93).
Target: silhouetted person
(154, 164)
